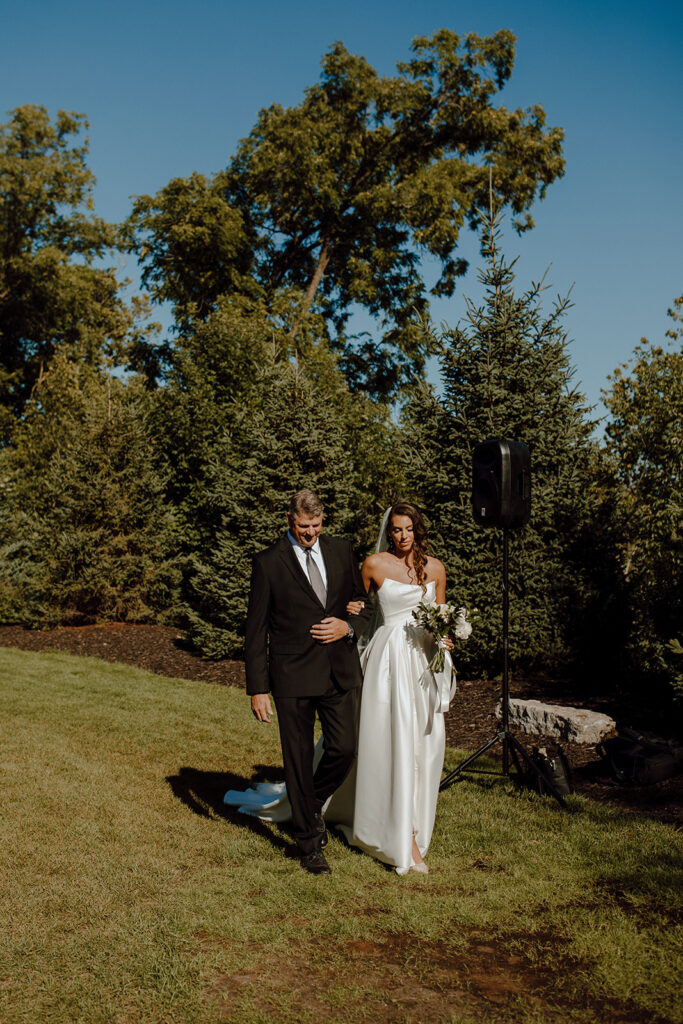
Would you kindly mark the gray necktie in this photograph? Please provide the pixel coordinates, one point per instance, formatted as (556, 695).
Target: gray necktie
(315, 577)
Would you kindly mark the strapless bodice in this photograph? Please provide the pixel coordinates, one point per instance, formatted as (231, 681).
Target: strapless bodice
(399, 600)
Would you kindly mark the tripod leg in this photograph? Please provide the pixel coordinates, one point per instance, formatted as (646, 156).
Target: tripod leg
(505, 648)
(517, 746)
(506, 753)
(515, 760)
(452, 776)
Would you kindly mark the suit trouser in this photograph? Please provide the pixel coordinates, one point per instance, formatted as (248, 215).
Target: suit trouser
(308, 791)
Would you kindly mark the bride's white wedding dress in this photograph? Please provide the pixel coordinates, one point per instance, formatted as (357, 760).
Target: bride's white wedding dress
(391, 793)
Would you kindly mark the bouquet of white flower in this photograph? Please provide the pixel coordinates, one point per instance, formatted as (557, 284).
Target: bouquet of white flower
(442, 620)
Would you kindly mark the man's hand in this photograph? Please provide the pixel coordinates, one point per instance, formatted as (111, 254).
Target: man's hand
(329, 630)
(261, 707)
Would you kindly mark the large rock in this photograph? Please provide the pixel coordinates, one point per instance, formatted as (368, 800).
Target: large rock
(576, 724)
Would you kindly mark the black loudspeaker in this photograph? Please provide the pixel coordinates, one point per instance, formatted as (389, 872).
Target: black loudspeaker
(501, 483)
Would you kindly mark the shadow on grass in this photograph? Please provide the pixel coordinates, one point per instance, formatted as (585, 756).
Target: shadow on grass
(514, 785)
(202, 792)
(649, 887)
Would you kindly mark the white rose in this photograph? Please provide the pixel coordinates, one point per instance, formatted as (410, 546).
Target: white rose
(462, 628)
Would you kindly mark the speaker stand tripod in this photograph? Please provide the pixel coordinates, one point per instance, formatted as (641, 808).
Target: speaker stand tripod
(512, 748)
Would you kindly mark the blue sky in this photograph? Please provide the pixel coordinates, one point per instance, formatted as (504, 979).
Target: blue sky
(170, 88)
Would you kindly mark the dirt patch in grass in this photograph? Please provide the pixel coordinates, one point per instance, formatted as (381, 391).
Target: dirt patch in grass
(400, 980)
(469, 724)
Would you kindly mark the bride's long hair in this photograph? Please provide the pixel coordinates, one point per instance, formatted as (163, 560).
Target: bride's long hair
(420, 545)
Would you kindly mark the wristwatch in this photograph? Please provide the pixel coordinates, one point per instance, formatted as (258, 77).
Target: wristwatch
(350, 635)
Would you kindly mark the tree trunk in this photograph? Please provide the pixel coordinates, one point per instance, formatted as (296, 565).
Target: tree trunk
(323, 260)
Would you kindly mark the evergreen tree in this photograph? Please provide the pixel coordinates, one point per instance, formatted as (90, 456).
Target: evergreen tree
(211, 376)
(645, 448)
(86, 534)
(300, 428)
(505, 373)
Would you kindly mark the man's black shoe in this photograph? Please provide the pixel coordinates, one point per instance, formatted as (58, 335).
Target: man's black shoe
(315, 863)
(321, 830)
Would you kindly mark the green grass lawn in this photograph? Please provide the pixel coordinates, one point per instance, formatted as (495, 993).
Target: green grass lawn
(128, 895)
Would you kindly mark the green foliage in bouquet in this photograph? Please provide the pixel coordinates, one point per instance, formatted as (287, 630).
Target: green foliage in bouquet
(442, 620)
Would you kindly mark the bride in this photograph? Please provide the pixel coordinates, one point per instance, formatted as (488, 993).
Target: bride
(387, 805)
(402, 737)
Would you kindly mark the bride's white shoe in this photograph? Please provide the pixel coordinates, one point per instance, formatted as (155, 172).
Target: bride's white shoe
(417, 865)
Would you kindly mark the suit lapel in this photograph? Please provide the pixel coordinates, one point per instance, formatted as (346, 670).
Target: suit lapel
(296, 569)
(331, 568)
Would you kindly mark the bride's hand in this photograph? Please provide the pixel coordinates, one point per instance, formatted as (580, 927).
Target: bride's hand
(355, 607)
(448, 643)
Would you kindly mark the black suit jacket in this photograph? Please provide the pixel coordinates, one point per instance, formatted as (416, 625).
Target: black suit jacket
(280, 653)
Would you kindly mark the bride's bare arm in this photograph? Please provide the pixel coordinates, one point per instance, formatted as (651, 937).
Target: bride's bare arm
(440, 580)
(369, 573)
(372, 572)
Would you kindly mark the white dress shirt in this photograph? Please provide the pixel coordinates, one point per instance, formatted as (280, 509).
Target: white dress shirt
(316, 554)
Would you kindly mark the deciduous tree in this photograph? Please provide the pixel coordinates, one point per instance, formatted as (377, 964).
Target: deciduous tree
(341, 196)
(54, 292)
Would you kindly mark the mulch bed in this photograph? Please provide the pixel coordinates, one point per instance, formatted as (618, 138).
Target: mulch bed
(470, 722)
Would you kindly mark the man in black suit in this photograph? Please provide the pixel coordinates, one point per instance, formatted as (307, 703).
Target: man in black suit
(301, 645)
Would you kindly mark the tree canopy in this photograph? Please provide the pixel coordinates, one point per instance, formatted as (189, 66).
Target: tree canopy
(51, 292)
(339, 198)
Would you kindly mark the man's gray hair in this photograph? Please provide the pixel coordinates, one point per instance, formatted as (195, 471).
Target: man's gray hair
(305, 503)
